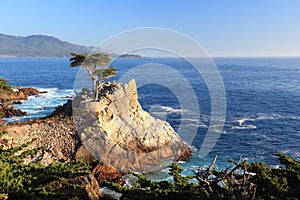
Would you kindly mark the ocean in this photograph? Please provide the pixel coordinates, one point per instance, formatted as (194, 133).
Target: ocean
(262, 98)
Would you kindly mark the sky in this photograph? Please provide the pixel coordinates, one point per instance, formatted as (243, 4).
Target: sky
(222, 27)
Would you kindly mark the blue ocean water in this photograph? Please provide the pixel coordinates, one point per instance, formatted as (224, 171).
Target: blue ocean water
(263, 101)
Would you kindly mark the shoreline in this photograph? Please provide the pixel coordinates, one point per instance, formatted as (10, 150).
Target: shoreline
(14, 96)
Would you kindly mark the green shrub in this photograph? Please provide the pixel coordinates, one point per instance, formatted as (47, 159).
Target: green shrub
(277, 183)
(4, 85)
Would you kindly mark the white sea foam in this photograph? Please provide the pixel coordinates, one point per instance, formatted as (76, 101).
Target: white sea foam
(264, 116)
(43, 104)
(260, 116)
(166, 109)
(193, 148)
(275, 166)
(243, 120)
(241, 127)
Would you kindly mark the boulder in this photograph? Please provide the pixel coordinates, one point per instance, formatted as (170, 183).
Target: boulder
(92, 188)
(103, 173)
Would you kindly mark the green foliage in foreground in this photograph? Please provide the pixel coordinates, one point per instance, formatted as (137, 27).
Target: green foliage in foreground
(242, 181)
(36, 181)
(4, 85)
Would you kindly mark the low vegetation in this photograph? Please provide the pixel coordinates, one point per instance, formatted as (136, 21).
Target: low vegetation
(241, 181)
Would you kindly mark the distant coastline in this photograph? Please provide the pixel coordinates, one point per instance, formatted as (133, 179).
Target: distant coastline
(44, 46)
(131, 56)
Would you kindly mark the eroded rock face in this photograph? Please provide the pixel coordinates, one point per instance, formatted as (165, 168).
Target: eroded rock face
(118, 132)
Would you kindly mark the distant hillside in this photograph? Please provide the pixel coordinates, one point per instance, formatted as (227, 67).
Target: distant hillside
(37, 46)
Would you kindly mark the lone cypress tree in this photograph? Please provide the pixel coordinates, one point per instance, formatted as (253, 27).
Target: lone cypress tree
(97, 66)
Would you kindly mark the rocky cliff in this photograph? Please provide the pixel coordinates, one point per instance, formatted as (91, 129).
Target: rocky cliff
(119, 133)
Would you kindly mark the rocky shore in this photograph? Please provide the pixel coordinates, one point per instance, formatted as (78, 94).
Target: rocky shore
(8, 98)
(130, 139)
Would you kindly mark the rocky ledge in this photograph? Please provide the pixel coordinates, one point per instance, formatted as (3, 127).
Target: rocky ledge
(20, 93)
(118, 132)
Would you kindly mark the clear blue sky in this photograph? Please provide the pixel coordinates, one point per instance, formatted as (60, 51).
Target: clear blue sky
(223, 27)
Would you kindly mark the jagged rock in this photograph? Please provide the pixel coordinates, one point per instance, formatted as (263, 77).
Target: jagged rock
(11, 111)
(31, 91)
(121, 126)
(119, 133)
(91, 186)
(62, 111)
(18, 96)
(103, 172)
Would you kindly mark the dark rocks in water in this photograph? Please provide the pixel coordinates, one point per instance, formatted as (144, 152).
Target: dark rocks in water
(10, 112)
(9, 98)
(62, 111)
(185, 155)
(24, 93)
(30, 91)
(17, 102)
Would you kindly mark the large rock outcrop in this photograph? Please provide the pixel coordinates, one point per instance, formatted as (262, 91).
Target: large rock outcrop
(119, 133)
